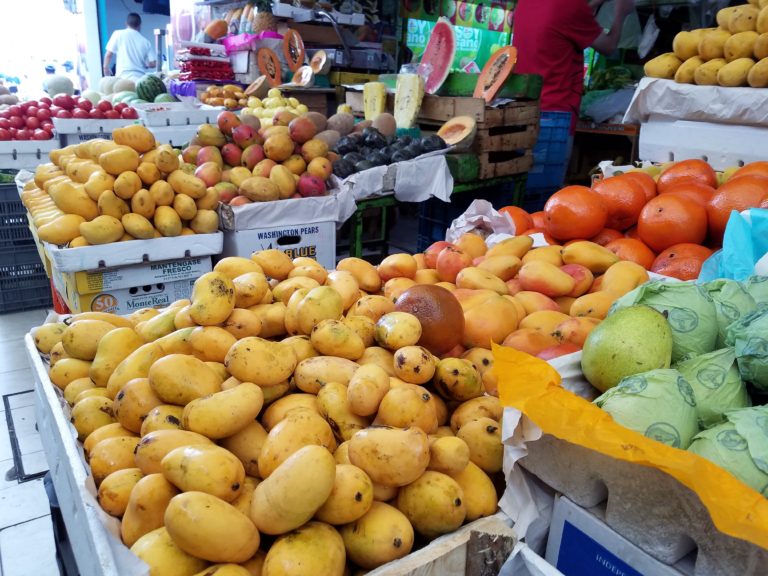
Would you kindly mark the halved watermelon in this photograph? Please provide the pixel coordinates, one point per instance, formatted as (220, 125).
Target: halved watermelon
(495, 72)
(439, 53)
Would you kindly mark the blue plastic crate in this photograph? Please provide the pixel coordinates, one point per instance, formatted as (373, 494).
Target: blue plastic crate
(23, 282)
(550, 155)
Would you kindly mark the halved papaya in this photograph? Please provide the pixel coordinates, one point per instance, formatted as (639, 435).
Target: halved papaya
(495, 73)
(459, 132)
(293, 49)
(303, 77)
(269, 66)
(258, 87)
(320, 63)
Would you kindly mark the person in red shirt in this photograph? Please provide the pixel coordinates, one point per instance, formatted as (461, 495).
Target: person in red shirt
(550, 37)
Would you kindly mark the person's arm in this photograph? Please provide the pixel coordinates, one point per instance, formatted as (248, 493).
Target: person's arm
(607, 43)
(151, 57)
(107, 63)
(595, 4)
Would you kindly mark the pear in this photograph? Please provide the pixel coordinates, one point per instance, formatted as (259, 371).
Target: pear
(633, 340)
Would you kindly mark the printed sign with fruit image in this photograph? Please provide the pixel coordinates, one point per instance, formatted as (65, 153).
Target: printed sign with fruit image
(495, 73)
(269, 66)
(293, 50)
(439, 54)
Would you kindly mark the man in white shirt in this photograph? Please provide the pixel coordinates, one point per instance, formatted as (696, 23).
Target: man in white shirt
(134, 52)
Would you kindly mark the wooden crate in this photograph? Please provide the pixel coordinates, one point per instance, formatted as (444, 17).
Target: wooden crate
(479, 548)
(439, 109)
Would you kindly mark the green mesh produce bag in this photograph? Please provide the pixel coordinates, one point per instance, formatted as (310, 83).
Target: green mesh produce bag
(757, 287)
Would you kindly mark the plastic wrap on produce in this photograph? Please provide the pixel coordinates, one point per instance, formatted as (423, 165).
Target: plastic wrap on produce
(668, 99)
(414, 180)
(483, 219)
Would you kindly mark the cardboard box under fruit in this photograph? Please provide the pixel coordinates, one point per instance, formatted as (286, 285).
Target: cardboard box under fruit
(125, 290)
(311, 240)
(120, 254)
(176, 136)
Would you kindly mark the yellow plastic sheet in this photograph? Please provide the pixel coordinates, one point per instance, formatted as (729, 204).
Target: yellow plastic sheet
(533, 387)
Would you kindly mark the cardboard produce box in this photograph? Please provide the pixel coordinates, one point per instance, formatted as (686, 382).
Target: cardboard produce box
(25, 154)
(298, 227)
(125, 290)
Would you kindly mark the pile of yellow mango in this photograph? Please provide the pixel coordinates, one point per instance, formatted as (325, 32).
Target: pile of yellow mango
(128, 188)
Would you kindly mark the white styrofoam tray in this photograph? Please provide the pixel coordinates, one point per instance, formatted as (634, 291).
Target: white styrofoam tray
(26, 154)
(120, 254)
(177, 114)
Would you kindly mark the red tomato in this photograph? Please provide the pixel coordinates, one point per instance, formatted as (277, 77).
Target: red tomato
(5, 134)
(43, 114)
(24, 134)
(17, 122)
(120, 106)
(96, 113)
(5, 123)
(104, 106)
(85, 104)
(80, 113)
(63, 114)
(33, 123)
(46, 100)
(41, 135)
(64, 100)
(32, 111)
(129, 113)
(45, 105)
(15, 110)
(4, 114)
(112, 115)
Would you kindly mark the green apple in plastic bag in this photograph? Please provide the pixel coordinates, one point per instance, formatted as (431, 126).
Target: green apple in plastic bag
(716, 384)
(689, 309)
(749, 337)
(659, 404)
(757, 287)
(739, 446)
(732, 302)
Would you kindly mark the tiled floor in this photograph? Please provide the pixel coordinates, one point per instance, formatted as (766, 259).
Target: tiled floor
(27, 545)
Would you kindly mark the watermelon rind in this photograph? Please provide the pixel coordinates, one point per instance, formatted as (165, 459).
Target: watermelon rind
(439, 53)
(149, 87)
(165, 98)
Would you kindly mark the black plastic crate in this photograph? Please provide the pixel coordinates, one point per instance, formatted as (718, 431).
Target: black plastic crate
(14, 228)
(436, 216)
(23, 282)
